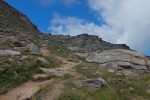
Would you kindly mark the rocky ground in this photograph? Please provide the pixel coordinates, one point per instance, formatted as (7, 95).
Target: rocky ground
(36, 66)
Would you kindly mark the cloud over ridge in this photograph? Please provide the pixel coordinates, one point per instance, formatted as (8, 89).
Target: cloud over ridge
(127, 22)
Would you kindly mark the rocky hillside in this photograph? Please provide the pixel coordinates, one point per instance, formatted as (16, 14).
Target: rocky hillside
(35, 66)
(16, 30)
(11, 20)
(92, 43)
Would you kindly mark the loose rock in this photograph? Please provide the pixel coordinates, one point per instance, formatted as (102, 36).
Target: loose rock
(117, 59)
(93, 83)
(41, 61)
(9, 53)
(32, 48)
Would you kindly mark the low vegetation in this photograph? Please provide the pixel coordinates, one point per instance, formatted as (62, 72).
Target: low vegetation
(17, 71)
(121, 87)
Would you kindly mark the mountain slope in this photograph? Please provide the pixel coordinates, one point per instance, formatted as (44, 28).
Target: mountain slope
(93, 43)
(36, 66)
(12, 20)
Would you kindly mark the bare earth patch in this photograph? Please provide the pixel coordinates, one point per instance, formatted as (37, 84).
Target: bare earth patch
(25, 91)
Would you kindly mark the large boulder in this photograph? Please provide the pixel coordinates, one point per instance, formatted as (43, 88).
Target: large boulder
(93, 83)
(52, 72)
(41, 61)
(148, 57)
(118, 58)
(92, 43)
(9, 53)
(32, 48)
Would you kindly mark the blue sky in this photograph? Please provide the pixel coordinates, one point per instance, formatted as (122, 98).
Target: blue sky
(41, 14)
(116, 21)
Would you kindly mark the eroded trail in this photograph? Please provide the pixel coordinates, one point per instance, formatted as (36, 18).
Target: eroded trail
(29, 89)
(25, 91)
(67, 67)
(55, 92)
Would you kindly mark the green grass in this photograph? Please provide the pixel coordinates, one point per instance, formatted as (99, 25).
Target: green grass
(70, 96)
(90, 71)
(11, 77)
(18, 72)
(120, 85)
(74, 93)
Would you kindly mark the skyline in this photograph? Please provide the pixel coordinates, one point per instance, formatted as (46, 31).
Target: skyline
(125, 21)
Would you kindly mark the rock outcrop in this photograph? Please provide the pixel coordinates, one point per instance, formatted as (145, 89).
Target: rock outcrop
(92, 43)
(32, 48)
(118, 59)
(148, 57)
(4, 53)
(93, 83)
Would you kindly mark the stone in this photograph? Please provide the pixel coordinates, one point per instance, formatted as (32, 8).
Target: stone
(111, 70)
(147, 91)
(74, 48)
(3, 39)
(117, 59)
(16, 41)
(91, 43)
(131, 89)
(21, 49)
(32, 48)
(93, 83)
(49, 71)
(84, 68)
(13, 39)
(45, 51)
(40, 76)
(118, 74)
(1, 69)
(9, 53)
(128, 73)
(24, 58)
(148, 57)
(41, 61)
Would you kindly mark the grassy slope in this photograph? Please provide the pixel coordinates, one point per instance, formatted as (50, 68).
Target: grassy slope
(121, 87)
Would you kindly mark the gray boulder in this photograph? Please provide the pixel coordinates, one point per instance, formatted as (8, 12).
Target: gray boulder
(118, 59)
(41, 61)
(93, 83)
(9, 53)
(74, 48)
(52, 72)
(32, 48)
(92, 43)
(148, 57)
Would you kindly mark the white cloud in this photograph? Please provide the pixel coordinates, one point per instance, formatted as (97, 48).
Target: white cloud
(127, 21)
(49, 2)
(130, 17)
(74, 26)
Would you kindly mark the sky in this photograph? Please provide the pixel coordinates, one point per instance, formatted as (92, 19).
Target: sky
(116, 21)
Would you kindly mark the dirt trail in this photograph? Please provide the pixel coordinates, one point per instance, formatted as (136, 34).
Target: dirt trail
(66, 67)
(56, 91)
(29, 89)
(25, 91)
